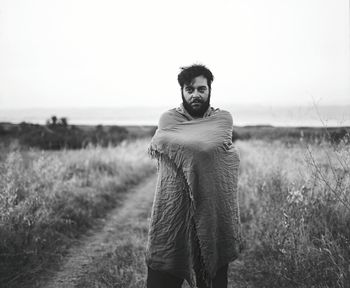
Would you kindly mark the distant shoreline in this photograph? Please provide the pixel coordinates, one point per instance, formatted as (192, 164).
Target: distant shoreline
(148, 126)
(58, 134)
(255, 115)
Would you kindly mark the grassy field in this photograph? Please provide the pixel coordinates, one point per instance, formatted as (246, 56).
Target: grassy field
(295, 211)
(294, 205)
(48, 199)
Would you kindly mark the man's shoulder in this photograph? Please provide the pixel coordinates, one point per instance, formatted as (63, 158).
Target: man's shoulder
(222, 112)
(169, 114)
(169, 117)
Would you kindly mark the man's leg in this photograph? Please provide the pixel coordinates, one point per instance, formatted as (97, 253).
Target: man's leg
(219, 281)
(158, 279)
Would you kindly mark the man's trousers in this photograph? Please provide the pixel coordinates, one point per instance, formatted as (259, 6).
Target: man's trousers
(157, 279)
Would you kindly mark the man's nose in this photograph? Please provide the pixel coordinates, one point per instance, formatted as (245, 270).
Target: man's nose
(196, 94)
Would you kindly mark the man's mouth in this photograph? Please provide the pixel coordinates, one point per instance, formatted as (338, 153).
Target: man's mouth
(196, 104)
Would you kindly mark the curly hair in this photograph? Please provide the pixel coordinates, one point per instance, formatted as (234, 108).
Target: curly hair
(188, 73)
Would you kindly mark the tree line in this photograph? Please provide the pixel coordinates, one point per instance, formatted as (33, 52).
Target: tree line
(57, 134)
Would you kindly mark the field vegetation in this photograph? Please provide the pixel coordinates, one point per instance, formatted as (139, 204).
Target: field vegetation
(58, 134)
(291, 134)
(49, 198)
(294, 205)
(295, 212)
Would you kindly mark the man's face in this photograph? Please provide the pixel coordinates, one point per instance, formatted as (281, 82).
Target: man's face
(196, 96)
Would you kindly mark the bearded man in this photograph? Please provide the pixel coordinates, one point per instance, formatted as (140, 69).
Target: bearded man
(195, 227)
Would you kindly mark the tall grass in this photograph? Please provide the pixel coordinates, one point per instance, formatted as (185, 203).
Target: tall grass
(295, 215)
(294, 202)
(296, 229)
(49, 198)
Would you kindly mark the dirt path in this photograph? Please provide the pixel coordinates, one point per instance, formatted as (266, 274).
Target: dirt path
(81, 259)
(113, 255)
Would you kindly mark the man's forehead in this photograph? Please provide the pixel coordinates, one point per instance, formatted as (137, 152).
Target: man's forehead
(198, 81)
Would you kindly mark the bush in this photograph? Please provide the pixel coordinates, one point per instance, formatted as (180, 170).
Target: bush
(58, 134)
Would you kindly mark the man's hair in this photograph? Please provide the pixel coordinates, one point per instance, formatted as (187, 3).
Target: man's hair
(188, 73)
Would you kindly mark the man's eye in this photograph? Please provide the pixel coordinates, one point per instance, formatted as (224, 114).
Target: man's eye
(189, 90)
(201, 90)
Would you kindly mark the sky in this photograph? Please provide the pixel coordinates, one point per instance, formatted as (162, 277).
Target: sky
(110, 53)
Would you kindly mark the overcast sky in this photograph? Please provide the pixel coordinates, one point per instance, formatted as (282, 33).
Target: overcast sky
(86, 53)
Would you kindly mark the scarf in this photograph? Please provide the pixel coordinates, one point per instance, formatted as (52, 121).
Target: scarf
(195, 224)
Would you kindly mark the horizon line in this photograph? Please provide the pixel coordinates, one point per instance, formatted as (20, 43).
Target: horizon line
(166, 106)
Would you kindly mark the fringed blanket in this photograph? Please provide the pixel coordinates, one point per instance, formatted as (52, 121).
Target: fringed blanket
(195, 218)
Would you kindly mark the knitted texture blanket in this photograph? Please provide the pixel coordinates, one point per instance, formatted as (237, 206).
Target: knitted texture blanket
(195, 224)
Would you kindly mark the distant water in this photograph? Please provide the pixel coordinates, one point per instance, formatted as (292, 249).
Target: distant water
(242, 115)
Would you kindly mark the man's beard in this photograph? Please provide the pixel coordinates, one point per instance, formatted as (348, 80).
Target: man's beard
(196, 112)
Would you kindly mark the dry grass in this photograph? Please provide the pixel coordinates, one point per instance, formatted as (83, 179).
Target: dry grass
(48, 199)
(295, 215)
(296, 228)
(293, 199)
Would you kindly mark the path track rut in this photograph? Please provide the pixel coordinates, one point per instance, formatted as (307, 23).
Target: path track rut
(138, 200)
(126, 226)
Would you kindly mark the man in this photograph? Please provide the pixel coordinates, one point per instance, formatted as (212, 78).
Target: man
(195, 227)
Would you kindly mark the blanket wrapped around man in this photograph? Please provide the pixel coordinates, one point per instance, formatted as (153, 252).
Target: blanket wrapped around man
(195, 225)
